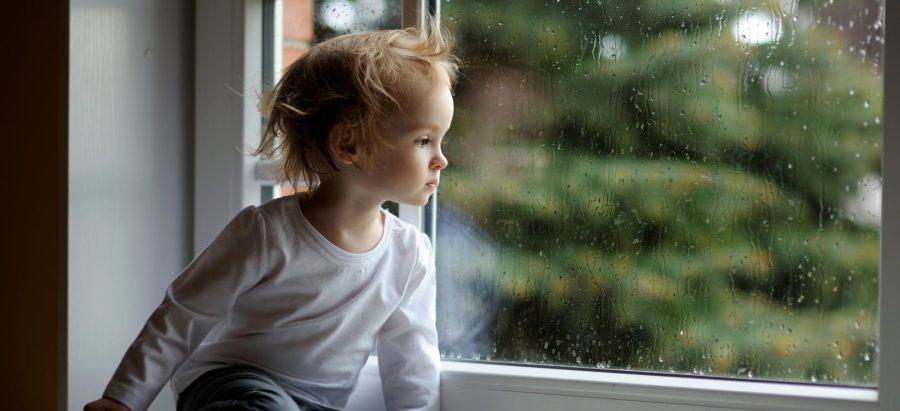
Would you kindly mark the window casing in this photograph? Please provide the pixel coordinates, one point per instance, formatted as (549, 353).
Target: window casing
(229, 52)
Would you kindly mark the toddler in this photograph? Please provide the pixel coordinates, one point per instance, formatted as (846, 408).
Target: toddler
(282, 309)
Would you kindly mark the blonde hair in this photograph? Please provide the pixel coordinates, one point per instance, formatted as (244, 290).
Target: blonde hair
(356, 79)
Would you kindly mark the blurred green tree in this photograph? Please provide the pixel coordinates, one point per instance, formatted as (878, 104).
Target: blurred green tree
(673, 185)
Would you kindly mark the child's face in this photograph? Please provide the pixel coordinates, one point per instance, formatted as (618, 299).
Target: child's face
(412, 167)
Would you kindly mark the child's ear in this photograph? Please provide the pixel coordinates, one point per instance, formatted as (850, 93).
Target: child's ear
(342, 144)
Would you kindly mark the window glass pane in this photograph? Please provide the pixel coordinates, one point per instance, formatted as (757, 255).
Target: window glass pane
(665, 185)
(306, 22)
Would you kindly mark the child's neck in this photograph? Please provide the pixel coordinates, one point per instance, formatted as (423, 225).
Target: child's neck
(353, 225)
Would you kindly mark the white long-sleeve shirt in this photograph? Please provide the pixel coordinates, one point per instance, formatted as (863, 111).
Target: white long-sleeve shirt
(273, 293)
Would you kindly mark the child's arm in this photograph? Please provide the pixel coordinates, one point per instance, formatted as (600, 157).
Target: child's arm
(408, 357)
(195, 302)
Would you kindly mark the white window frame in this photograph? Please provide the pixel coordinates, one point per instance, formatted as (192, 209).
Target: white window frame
(228, 56)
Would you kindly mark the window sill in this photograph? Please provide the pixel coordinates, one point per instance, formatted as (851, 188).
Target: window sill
(470, 385)
(653, 389)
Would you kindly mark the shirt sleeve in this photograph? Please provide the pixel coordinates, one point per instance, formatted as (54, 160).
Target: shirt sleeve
(408, 358)
(193, 304)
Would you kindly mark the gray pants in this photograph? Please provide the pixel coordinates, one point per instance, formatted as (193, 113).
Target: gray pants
(239, 388)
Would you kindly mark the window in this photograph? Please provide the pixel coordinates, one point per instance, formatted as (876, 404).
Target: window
(689, 189)
(527, 68)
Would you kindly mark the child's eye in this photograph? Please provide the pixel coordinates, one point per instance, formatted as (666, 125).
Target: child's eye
(424, 141)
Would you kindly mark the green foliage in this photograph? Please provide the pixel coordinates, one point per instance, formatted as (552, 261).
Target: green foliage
(666, 197)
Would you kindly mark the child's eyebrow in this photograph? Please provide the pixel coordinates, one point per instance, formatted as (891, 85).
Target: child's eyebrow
(424, 127)
(427, 126)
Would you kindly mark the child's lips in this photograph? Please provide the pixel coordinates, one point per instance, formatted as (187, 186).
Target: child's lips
(432, 184)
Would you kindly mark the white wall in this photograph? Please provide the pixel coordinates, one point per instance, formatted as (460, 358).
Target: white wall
(130, 176)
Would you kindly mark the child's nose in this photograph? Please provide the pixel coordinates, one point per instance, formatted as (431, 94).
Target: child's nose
(439, 162)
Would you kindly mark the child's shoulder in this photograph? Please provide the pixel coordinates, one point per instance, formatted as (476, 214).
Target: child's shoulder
(406, 235)
(398, 227)
(279, 208)
(275, 215)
